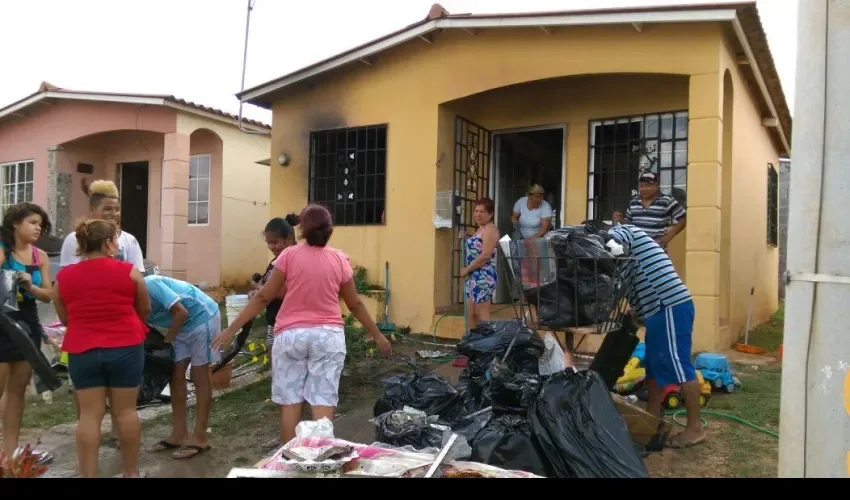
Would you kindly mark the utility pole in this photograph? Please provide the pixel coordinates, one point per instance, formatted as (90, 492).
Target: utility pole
(815, 408)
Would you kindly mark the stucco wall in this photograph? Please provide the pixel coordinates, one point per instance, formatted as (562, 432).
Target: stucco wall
(753, 263)
(404, 88)
(239, 202)
(572, 101)
(52, 124)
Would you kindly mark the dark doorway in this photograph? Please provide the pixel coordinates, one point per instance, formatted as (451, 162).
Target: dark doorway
(523, 158)
(133, 183)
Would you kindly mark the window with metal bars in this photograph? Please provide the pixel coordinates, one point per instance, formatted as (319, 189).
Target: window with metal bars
(348, 172)
(772, 206)
(620, 149)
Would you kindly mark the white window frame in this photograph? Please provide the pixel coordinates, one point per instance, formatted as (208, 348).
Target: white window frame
(200, 201)
(28, 164)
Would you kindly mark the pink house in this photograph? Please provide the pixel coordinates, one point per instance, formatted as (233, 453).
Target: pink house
(194, 187)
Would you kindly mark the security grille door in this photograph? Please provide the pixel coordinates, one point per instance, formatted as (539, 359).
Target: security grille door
(471, 183)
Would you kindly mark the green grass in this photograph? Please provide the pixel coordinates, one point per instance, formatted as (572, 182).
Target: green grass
(751, 453)
(768, 335)
(40, 415)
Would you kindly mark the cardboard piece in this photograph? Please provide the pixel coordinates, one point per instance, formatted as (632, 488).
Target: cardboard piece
(645, 429)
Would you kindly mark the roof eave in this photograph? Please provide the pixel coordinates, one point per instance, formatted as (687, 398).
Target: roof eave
(152, 100)
(255, 95)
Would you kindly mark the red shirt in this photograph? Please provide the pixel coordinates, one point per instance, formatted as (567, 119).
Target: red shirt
(99, 297)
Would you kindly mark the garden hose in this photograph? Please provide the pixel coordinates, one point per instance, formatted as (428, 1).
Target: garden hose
(675, 414)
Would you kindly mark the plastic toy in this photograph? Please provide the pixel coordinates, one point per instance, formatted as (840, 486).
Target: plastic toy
(633, 373)
(672, 397)
(717, 371)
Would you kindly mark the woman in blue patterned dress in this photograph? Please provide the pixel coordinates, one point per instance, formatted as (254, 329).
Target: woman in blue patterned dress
(480, 269)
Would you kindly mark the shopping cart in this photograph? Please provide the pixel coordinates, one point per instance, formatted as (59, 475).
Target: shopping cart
(568, 283)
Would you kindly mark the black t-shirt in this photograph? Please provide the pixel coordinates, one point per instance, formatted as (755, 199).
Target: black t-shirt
(274, 306)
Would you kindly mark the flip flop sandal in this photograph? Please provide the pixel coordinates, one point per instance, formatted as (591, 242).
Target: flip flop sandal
(162, 446)
(677, 442)
(197, 449)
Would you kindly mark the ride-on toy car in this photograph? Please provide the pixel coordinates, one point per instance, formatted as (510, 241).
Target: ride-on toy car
(672, 398)
(717, 371)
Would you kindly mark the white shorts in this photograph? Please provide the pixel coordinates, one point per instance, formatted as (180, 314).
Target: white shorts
(196, 345)
(307, 364)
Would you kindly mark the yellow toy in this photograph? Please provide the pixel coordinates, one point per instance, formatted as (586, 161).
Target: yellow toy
(633, 375)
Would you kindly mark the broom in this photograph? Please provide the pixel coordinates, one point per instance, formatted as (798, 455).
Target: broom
(385, 326)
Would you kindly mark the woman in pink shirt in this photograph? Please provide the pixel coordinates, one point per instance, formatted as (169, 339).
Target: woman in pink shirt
(309, 347)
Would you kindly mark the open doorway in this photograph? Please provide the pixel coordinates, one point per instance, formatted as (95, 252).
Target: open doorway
(522, 157)
(133, 185)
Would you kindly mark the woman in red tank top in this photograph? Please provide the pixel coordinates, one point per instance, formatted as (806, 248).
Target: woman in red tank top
(103, 302)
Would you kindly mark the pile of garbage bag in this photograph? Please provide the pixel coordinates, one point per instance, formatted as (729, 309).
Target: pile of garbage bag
(584, 291)
(561, 424)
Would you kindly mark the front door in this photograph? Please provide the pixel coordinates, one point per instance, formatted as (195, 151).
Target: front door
(133, 184)
(471, 182)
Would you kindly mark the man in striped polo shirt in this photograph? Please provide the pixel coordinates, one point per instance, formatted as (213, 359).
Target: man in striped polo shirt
(659, 298)
(659, 215)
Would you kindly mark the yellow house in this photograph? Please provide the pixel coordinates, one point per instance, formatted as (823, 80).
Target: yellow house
(479, 105)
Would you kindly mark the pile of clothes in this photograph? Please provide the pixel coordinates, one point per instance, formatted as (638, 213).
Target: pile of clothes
(562, 424)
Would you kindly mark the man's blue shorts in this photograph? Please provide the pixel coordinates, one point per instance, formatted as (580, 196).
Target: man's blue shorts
(668, 345)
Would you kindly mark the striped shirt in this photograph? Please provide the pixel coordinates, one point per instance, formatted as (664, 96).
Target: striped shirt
(654, 281)
(662, 213)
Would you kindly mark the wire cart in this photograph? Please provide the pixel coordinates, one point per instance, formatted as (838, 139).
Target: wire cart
(574, 287)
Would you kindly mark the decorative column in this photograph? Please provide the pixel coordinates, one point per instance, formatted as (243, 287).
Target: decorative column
(58, 193)
(703, 238)
(174, 209)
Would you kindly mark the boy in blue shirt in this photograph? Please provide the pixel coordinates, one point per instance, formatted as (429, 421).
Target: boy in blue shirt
(193, 321)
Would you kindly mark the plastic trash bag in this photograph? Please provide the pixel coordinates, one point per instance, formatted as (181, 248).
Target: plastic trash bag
(507, 441)
(511, 392)
(430, 393)
(409, 427)
(469, 426)
(616, 350)
(156, 375)
(580, 430)
(553, 359)
(555, 303)
(579, 251)
(490, 340)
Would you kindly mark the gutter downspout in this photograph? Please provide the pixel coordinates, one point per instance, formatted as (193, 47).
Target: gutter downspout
(244, 67)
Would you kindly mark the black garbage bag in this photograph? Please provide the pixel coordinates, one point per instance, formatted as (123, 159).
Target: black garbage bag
(405, 428)
(578, 251)
(469, 426)
(581, 431)
(430, 392)
(507, 441)
(509, 391)
(615, 352)
(156, 375)
(490, 340)
(473, 383)
(555, 303)
(596, 297)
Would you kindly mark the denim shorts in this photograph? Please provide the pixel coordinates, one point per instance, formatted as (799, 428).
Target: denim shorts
(118, 367)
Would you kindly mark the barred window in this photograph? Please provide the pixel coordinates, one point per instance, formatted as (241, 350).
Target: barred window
(348, 169)
(620, 149)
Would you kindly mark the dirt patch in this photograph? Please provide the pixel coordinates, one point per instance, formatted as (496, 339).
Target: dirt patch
(734, 448)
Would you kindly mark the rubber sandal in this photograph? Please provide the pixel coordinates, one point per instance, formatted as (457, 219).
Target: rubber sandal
(677, 442)
(162, 446)
(197, 449)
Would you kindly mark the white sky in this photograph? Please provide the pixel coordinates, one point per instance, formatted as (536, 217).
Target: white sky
(193, 48)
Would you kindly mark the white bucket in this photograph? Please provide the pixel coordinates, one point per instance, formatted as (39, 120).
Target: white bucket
(233, 305)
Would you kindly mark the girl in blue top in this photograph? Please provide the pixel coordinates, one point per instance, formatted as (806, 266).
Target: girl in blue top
(23, 224)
